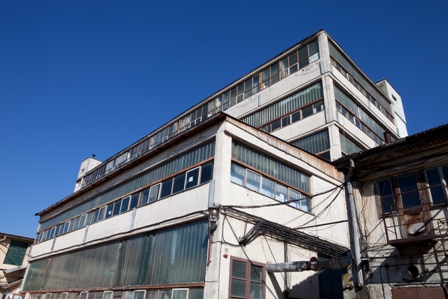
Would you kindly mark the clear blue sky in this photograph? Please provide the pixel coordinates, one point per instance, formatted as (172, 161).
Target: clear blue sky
(91, 77)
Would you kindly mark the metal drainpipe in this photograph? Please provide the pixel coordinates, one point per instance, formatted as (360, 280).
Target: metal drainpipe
(353, 230)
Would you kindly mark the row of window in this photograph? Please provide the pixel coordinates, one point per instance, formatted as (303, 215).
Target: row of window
(413, 190)
(177, 164)
(294, 117)
(170, 256)
(266, 186)
(317, 143)
(266, 77)
(301, 104)
(272, 167)
(178, 183)
(177, 293)
(361, 89)
(347, 107)
(370, 87)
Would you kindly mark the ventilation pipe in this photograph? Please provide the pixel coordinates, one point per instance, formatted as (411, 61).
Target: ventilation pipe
(353, 230)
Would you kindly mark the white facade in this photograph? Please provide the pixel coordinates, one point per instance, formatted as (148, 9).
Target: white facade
(245, 197)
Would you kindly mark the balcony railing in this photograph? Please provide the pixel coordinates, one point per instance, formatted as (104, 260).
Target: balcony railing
(419, 225)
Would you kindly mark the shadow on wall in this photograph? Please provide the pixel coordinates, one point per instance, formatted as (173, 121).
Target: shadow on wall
(408, 265)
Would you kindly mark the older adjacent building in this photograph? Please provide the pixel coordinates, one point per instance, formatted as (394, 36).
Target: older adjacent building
(400, 192)
(238, 184)
(14, 252)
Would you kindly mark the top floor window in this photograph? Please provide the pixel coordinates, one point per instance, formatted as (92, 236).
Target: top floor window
(413, 191)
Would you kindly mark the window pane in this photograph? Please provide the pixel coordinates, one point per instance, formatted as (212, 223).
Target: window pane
(239, 269)
(166, 188)
(179, 183)
(144, 197)
(124, 204)
(238, 288)
(307, 111)
(267, 187)
(256, 290)
(196, 293)
(109, 210)
(237, 174)
(179, 294)
(253, 181)
(384, 190)
(436, 188)
(409, 191)
(294, 198)
(192, 178)
(154, 193)
(206, 172)
(139, 295)
(134, 201)
(280, 192)
(256, 273)
(117, 205)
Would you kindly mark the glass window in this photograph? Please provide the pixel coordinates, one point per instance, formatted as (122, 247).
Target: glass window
(434, 181)
(253, 181)
(246, 280)
(237, 174)
(294, 198)
(16, 253)
(144, 197)
(274, 73)
(124, 204)
(82, 221)
(134, 201)
(154, 193)
(166, 188)
(267, 187)
(281, 192)
(196, 293)
(180, 294)
(179, 183)
(206, 172)
(109, 210)
(108, 295)
(117, 206)
(139, 294)
(192, 178)
(409, 191)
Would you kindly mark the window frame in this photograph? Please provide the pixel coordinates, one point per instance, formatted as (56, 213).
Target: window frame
(248, 279)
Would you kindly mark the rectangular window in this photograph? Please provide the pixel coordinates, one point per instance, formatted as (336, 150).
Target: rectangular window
(124, 204)
(64, 295)
(206, 172)
(180, 294)
(179, 183)
(154, 193)
(82, 221)
(83, 295)
(237, 174)
(435, 181)
(109, 210)
(253, 181)
(166, 188)
(246, 280)
(267, 187)
(117, 206)
(192, 178)
(134, 201)
(16, 253)
(108, 295)
(144, 197)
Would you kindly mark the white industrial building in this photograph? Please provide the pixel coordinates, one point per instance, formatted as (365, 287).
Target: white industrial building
(215, 202)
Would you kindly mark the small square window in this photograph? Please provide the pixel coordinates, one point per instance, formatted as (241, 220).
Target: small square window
(191, 178)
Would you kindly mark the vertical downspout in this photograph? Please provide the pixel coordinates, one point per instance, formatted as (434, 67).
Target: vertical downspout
(353, 230)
